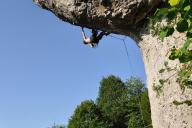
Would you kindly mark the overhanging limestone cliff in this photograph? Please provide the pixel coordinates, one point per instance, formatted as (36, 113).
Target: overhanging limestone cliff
(120, 16)
(126, 17)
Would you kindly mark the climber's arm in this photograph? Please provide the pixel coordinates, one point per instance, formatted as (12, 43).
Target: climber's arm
(85, 39)
(83, 33)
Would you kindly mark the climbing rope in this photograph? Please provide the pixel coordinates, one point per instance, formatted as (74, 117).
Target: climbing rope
(126, 50)
(127, 53)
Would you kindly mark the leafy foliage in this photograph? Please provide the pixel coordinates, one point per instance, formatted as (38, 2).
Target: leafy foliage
(179, 14)
(135, 121)
(119, 105)
(182, 25)
(145, 107)
(87, 115)
(174, 2)
(157, 88)
(112, 100)
(188, 102)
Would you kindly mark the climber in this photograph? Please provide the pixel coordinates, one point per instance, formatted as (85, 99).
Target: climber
(93, 41)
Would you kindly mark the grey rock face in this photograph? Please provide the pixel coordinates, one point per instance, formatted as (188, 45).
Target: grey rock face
(165, 114)
(118, 16)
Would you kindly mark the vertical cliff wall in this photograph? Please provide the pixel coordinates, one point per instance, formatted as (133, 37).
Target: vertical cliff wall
(126, 17)
(165, 114)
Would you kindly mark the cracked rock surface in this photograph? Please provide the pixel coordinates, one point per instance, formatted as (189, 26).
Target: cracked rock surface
(119, 16)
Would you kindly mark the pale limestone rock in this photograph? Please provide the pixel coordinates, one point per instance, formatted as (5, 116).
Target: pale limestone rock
(164, 113)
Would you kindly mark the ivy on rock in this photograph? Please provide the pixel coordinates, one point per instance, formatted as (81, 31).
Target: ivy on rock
(178, 15)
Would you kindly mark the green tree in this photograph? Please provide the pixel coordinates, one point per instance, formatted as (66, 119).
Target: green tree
(134, 116)
(112, 101)
(134, 86)
(146, 110)
(87, 115)
(139, 105)
(135, 121)
(119, 105)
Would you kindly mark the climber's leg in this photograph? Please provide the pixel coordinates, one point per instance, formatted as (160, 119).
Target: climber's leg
(99, 37)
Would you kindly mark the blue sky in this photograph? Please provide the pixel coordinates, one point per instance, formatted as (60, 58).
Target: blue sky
(46, 71)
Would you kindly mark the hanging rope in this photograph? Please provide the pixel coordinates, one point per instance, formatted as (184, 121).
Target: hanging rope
(126, 50)
(127, 53)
